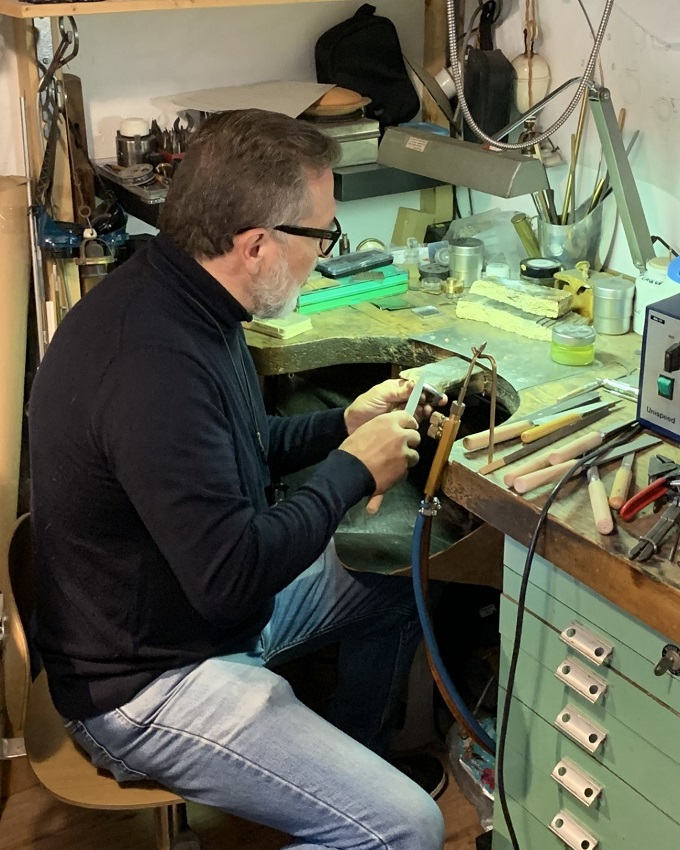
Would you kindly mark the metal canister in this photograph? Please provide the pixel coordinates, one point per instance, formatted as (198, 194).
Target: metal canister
(134, 142)
(466, 258)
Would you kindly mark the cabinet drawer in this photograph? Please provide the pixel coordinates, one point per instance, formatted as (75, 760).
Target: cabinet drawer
(642, 767)
(655, 722)
(531, 833)
(629, 661)
(584, 602)
(619, 814)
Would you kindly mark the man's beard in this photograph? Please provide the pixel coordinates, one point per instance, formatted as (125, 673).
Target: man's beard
(277, 294)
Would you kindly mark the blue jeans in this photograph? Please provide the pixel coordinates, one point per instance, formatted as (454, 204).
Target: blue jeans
(230, 733)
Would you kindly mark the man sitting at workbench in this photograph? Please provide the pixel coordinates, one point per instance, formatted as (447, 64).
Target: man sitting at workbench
(168, 584)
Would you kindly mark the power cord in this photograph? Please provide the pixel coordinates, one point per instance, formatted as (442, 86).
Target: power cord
(665, 245)
(618, 437)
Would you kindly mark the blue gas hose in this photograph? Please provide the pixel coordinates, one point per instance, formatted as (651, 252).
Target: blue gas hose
(428, 633)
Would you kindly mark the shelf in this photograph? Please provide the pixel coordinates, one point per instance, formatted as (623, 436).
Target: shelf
(16, 9)
(349, 184)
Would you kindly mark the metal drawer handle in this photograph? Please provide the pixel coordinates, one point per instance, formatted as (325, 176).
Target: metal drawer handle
(580, 728)
(576, 782)
(571, 832)
(582, 681)
(586, 643)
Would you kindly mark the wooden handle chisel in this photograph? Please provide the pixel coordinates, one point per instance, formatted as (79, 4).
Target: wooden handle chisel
(598, 502)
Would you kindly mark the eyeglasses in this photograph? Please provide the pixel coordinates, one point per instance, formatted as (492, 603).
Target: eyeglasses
(327, 238)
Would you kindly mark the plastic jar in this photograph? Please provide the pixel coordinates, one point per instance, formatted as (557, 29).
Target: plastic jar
(573, 345)
(652, 285)
(612, 305)
(541, 270)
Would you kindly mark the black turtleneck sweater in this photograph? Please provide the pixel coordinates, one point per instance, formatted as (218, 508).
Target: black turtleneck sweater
(151, 451)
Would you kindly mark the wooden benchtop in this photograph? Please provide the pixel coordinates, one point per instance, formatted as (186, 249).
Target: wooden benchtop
(649, 590)
(364, 334)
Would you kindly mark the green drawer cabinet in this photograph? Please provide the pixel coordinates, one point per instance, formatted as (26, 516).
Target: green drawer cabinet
(653, 721)
(632, 639)
(634, 770)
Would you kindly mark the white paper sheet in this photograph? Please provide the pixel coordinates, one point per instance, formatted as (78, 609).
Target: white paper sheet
(290, 98)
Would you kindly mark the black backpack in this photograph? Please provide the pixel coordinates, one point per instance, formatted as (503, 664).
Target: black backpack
(363, 54)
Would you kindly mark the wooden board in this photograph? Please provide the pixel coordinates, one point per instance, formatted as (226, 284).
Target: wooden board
(17, 9)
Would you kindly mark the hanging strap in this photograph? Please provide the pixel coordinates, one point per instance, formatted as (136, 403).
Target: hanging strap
(488, 18)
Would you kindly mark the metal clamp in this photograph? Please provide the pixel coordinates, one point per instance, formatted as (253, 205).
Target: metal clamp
(572, 833)
(580, 729)
(576, 782)
(576, 677)
(586, 643)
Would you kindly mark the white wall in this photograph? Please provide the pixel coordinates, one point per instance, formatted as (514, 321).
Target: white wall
(641, 65)
(126, 60)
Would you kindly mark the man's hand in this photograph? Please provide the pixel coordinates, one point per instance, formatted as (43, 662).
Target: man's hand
(386, 445)
(383, 398)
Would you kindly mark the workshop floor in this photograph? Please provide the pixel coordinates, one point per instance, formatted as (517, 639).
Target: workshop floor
(34, 820)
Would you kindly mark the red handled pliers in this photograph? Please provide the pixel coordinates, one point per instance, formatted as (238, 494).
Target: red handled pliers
(662, 473)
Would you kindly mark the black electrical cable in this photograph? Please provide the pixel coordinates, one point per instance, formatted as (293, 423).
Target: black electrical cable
(665, 245)
(618, 437)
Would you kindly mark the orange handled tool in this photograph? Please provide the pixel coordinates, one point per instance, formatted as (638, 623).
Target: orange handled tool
(539, 431)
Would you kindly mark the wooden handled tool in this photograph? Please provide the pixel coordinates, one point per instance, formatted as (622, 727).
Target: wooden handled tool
(500, 435)
(598, 502)
(539, 461)
(577, 447)
(544, 428)
(577, 399)
(532, 448)
(622, 482)
(525, 483)
(538, 431)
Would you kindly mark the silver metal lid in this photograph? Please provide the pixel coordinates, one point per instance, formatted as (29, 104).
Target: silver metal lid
(616, 288)
(573, 334)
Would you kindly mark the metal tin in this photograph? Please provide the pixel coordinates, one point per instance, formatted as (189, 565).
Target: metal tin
(134, 150)
(466, 258)
(613, 305)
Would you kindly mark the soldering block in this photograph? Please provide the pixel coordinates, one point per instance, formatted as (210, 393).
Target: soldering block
(528, 297)
(507, 318)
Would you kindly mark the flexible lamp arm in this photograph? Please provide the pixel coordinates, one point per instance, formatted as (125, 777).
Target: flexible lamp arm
(620, 173)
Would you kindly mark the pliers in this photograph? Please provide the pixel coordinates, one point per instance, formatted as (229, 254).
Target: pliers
(663, 473)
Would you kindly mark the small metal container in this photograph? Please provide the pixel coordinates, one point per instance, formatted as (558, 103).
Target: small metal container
(466, 258)
(134, 142)
(613, 305)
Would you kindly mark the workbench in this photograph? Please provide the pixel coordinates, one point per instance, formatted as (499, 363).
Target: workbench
(605, 721)
(592, 752)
